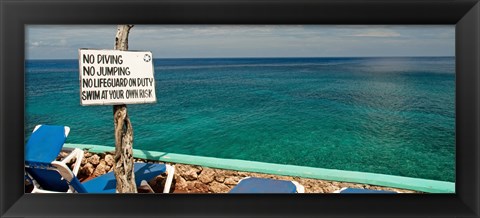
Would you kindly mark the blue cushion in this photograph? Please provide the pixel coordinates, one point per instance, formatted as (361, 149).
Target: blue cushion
(261, 185)
(45, 144)
(365, 191)
(107, 184)
(48, 179)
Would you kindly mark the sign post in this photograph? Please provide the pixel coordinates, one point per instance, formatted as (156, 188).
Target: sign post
(118, 77)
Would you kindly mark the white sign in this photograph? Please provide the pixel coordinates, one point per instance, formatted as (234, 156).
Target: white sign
(113, 77)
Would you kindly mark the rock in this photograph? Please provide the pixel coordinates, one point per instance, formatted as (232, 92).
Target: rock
(358, 186)
(190, 175)
(330, 189)
(231, 181)
(219, 171)
(191, 186)
(226, 172)
(257, 175)
(206, 176)
(63, 154)
(109, 160)
(87, 169)
(87, 154)
(313, 190)
(185, 168)
(217, 187)
(180, 168)
(198, 169)
(201, 188)
(180, 182)
(287, 178)
(220, 178)
(158, 184)
(242, 174)
(101, 169)
(94, 159)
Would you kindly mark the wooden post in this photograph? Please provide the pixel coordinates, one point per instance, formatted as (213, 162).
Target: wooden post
(123, 131)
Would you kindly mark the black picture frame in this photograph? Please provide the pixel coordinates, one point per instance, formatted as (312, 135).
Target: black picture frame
(465, 14)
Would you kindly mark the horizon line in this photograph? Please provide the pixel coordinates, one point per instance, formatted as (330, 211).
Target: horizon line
(263, 57)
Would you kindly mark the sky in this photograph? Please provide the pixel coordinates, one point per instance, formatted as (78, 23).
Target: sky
(225, 41)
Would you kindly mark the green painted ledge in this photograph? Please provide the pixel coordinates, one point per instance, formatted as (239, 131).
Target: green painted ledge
(424, 185)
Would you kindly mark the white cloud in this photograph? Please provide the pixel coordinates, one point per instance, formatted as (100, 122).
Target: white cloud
(35, 44)
(49, 43)
(377, 33)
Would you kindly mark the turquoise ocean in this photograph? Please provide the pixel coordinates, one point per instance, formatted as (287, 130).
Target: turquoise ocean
(389, 115)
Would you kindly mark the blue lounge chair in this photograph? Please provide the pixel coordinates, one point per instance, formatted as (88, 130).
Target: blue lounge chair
(44, 146)
(363, 191)
(51, 176)
(263, 185)
(103, 184)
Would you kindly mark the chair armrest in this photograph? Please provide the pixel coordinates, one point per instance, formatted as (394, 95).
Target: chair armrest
(168, 182)
(300, 188)
(78, 154)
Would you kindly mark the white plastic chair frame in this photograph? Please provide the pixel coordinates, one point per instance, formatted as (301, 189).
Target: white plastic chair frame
(75, 153)
(168, 183)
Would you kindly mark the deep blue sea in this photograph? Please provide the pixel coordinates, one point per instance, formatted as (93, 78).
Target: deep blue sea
(383, 115)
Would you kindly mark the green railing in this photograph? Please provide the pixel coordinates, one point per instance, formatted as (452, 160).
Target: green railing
(424, 185)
